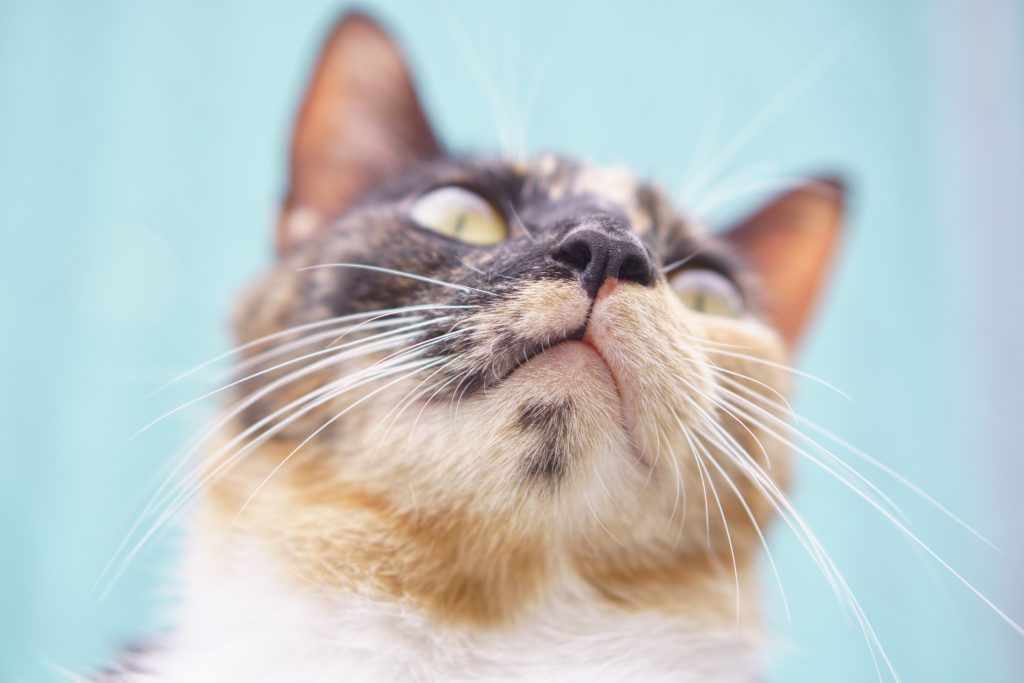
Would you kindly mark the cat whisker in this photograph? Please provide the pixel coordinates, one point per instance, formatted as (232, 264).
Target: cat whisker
(415, 423)
(815, 69)
(867, 495)
(675, 264)
(370, 323)
(721, 510)
(332, 333)
(490, 275)
(744, 175)
(703, 485)
(882, 510)
(401, 273)
(409, 399)
(779, 366)
(715, 200)
(402, 333)
(499, 111)
(237, 408)
(158, 497)
(720, 371)
(218, 466)
(173, 502)
(277, 468)
(757, 527)
(679, 492)
(704, 145)
(519, 221)
(803, 533)
(657, 454)
(864, 456)
(739, 496)
(805, 536)
(294, 330)
(704, 343)
(593, 513)
(190, 488)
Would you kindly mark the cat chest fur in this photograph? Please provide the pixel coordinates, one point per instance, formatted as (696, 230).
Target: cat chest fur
(251, 627)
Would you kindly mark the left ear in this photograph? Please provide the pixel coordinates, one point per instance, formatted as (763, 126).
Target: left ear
(360, 124)
(789, 244)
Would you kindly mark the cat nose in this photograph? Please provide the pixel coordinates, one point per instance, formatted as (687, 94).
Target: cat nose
(597, 256)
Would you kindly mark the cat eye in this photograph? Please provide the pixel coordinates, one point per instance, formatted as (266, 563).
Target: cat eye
(706, 291)
(460, 214)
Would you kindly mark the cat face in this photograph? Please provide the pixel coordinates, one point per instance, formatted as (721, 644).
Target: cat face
(470, 379)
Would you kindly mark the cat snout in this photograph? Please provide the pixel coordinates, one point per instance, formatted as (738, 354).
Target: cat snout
(596, 254)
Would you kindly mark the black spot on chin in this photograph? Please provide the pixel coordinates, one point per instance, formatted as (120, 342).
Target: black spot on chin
(550, 459)
(546, 416)
(547, 463)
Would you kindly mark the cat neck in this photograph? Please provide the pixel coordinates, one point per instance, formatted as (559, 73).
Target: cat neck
(253, 623)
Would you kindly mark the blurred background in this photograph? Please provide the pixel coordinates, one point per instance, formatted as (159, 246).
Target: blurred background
(142, 154)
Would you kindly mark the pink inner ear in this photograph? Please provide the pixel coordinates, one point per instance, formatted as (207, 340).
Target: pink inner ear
(360, 123)
(789, 244)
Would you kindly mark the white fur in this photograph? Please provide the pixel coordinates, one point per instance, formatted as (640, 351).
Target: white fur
(262, 626)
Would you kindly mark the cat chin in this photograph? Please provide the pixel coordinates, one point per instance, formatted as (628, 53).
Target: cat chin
(579, 361)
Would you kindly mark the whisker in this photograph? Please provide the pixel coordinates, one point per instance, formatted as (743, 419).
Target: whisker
(731, 399)
(326, 393)
(332, 333)
(400, 273)
(158, 499)
(902, 528)
(519, 221)
(408, 400)
(721, 510)
(780, 366)
(320, 429)
(686, 259)
(807, 538)
(720, 197)
(807, 78)
(874, 462)
(290, 331)
(237, 408)
(753, 520)
(403, 332)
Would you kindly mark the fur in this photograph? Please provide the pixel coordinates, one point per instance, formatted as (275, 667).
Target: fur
(447, 461)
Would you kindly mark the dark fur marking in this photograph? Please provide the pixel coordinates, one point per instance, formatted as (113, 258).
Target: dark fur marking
(550, 460)
(546, 416)
(548, 463)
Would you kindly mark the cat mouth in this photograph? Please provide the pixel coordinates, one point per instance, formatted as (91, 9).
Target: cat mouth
(584, 336)
(533, 350)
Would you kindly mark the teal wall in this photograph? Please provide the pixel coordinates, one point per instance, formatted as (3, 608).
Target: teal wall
(141, 156)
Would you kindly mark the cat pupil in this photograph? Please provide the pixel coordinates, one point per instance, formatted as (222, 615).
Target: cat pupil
(698, 302)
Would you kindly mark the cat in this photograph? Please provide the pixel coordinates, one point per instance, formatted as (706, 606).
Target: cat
(493, 419)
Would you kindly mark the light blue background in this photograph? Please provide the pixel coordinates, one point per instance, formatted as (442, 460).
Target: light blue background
(142, 154)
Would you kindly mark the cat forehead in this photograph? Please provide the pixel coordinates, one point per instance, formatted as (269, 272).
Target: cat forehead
(559, 179)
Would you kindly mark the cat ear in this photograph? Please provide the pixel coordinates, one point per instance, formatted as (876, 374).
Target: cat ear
(789, 244)
(360, 123)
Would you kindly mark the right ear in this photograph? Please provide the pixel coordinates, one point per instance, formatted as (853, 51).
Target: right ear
(361, 123)
(790, 244)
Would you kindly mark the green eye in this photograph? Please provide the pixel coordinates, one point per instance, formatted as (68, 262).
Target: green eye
(458, 213)
(706, 291)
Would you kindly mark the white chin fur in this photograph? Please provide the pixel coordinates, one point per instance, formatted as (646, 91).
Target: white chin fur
(256, 627)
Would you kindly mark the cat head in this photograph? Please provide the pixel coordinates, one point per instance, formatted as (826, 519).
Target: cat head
(471, 378)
